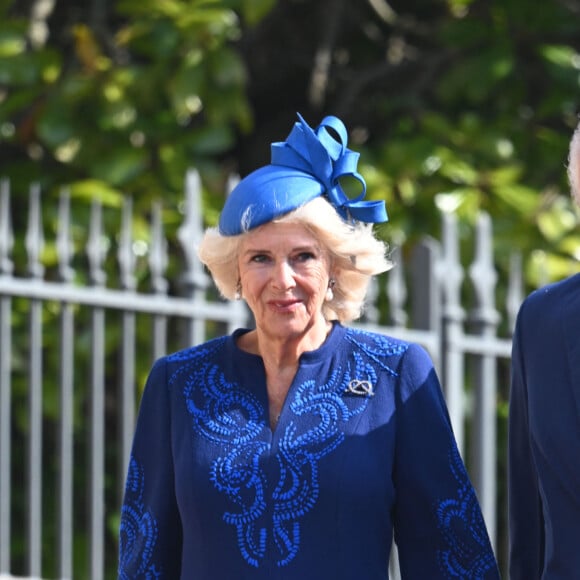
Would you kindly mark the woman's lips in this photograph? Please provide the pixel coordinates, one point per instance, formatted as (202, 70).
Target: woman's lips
(284, 304)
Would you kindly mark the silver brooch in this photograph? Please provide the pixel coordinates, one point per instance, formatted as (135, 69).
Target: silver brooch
(358, 387)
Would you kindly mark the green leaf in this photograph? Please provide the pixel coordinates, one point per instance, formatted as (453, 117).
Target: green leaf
(476, 77)
(19, 70)
(570, 244)
(557, 220)
(560, 55)
(460, 172)
(227, 68)
(255, 10)
(89, 189)
(12, 40)
(524, 199)
(186, 90)
(211, 140)
(120, 165)
(56, 125)
(505, 175)
(16, 101)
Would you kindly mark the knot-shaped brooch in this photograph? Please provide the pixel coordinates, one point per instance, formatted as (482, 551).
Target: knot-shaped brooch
(361, 388)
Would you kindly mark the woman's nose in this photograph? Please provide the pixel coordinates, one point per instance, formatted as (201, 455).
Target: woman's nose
(283, 275)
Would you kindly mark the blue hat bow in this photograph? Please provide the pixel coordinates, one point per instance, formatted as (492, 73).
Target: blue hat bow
(308, 164)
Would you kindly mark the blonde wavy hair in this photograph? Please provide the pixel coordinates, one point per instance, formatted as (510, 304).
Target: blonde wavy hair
(356, 255)
(574, 165)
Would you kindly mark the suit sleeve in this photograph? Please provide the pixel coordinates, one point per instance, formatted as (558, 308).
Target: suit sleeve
(525, 514)
(150, 535)
(439, 528)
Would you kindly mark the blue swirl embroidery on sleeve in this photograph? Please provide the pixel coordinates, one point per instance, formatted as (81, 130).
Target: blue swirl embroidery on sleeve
(468, 555)
(138, 530)
(229, 416)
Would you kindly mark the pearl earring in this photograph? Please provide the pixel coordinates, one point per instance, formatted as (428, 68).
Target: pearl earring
(329, 290)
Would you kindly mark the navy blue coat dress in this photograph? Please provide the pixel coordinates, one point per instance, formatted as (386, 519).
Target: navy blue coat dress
(544, 436)
(363, 449)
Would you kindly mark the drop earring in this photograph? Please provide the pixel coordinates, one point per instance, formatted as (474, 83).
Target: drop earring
(329, 290)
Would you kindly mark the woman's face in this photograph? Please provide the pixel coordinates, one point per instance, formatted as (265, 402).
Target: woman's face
(284, 273)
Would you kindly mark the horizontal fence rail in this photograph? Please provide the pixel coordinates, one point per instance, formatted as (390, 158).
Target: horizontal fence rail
(79, 333)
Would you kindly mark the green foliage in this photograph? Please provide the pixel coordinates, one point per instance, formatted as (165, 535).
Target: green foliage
(132, 108)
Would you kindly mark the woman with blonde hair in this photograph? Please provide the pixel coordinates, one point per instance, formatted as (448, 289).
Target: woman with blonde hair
(295, 449)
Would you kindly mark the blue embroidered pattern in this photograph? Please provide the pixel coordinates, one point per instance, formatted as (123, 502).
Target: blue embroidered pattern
(138, 531)
(468, 555)
(234, 419)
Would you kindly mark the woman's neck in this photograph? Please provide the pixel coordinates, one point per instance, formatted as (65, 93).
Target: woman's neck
(283, 352)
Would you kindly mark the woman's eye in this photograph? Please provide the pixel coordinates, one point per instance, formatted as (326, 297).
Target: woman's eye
(305, 256)
(259, 258)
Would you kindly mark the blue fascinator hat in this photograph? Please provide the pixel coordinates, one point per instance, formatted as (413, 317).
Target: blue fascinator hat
(308, 164)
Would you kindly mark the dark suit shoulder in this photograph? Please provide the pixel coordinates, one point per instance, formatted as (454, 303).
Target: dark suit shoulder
(543, 302)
